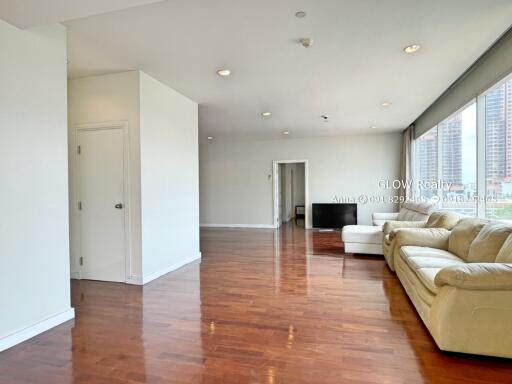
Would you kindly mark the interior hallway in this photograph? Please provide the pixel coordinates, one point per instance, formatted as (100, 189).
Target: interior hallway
(264, 306)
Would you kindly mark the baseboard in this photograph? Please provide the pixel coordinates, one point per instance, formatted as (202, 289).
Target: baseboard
(141, 280)
(75, 275)
(134, 280)
(35, 329)
(261, 226)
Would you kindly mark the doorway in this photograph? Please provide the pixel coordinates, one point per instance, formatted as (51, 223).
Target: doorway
(101, 202)
(291, 192)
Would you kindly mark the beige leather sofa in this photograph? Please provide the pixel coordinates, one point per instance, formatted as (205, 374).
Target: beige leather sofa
(460, 282)
(367, 239)
(439, 219)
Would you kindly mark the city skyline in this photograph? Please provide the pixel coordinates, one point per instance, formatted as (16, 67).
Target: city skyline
(459, 150)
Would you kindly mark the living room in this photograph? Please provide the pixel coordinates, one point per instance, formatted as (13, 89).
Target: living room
(256, 192)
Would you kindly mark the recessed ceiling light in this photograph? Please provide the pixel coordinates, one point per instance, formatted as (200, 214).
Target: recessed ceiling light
(412, 48)
(210, 137)
(286, 133)
(373, 127)
(224, 72)
(300, 14)
(266, 114)
(386, 103)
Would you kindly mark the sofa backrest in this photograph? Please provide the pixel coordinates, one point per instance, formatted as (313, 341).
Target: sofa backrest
(463, 234)
(505, 253)
(415, 211)
(442, 219)
(488, 242)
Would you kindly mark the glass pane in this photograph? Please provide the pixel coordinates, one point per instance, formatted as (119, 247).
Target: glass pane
(498, 151)
(459, 161)
(427, 160)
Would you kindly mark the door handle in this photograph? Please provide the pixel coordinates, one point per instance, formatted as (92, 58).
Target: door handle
(119, 206)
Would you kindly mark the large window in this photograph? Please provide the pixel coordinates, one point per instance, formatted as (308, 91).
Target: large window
(451, 152)
(446, 157)
(459, 161)
(498, 151)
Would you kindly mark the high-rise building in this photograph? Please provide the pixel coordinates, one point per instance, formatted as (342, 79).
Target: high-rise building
(508, 128)
(452, 149)
(498, 136)
(427, 153)
(495, 135)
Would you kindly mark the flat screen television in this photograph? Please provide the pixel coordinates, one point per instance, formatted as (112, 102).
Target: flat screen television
(334, 215)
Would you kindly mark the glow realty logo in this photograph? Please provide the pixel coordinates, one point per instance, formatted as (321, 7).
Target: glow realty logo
(419, 184)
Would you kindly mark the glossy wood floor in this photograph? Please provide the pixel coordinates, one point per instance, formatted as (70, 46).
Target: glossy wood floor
(262, 307)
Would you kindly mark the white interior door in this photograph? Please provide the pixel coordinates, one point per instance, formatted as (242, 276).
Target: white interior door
(101, 204)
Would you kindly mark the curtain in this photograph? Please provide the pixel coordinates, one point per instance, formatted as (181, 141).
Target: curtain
(406, 190)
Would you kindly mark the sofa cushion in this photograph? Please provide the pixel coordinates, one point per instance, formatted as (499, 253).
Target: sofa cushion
(366, 234)
(410, 215)
(463, 234)
(425, 208)
(411, 211)
(432, 262)
(427, 252)
(442, 219)
(505, 253)
(488, 242)
(425, 257)
(413, 285)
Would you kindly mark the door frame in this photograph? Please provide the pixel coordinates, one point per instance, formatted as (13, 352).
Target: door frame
(103, 126)
(275, 192)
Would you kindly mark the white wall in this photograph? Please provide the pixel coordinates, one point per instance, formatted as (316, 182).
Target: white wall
(99, 99)
(34, 254)
(236, 188)
(169, 177)
(164, 205)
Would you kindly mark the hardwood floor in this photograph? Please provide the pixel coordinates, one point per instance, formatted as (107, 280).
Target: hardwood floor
(262, 307)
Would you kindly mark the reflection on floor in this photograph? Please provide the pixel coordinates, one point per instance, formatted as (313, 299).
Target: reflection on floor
(264, 306)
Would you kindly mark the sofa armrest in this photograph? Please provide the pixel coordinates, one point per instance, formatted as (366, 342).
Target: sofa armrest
(390, 226)
(476, 276)
(422, 237)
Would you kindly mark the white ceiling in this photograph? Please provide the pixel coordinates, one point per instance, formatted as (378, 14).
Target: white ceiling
(356, 62)
(31, 13)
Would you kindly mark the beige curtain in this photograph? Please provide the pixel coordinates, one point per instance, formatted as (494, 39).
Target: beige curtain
(406, 189)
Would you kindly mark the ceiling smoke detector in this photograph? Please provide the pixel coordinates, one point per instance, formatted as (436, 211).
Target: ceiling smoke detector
(306, 42)
(300, 14)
